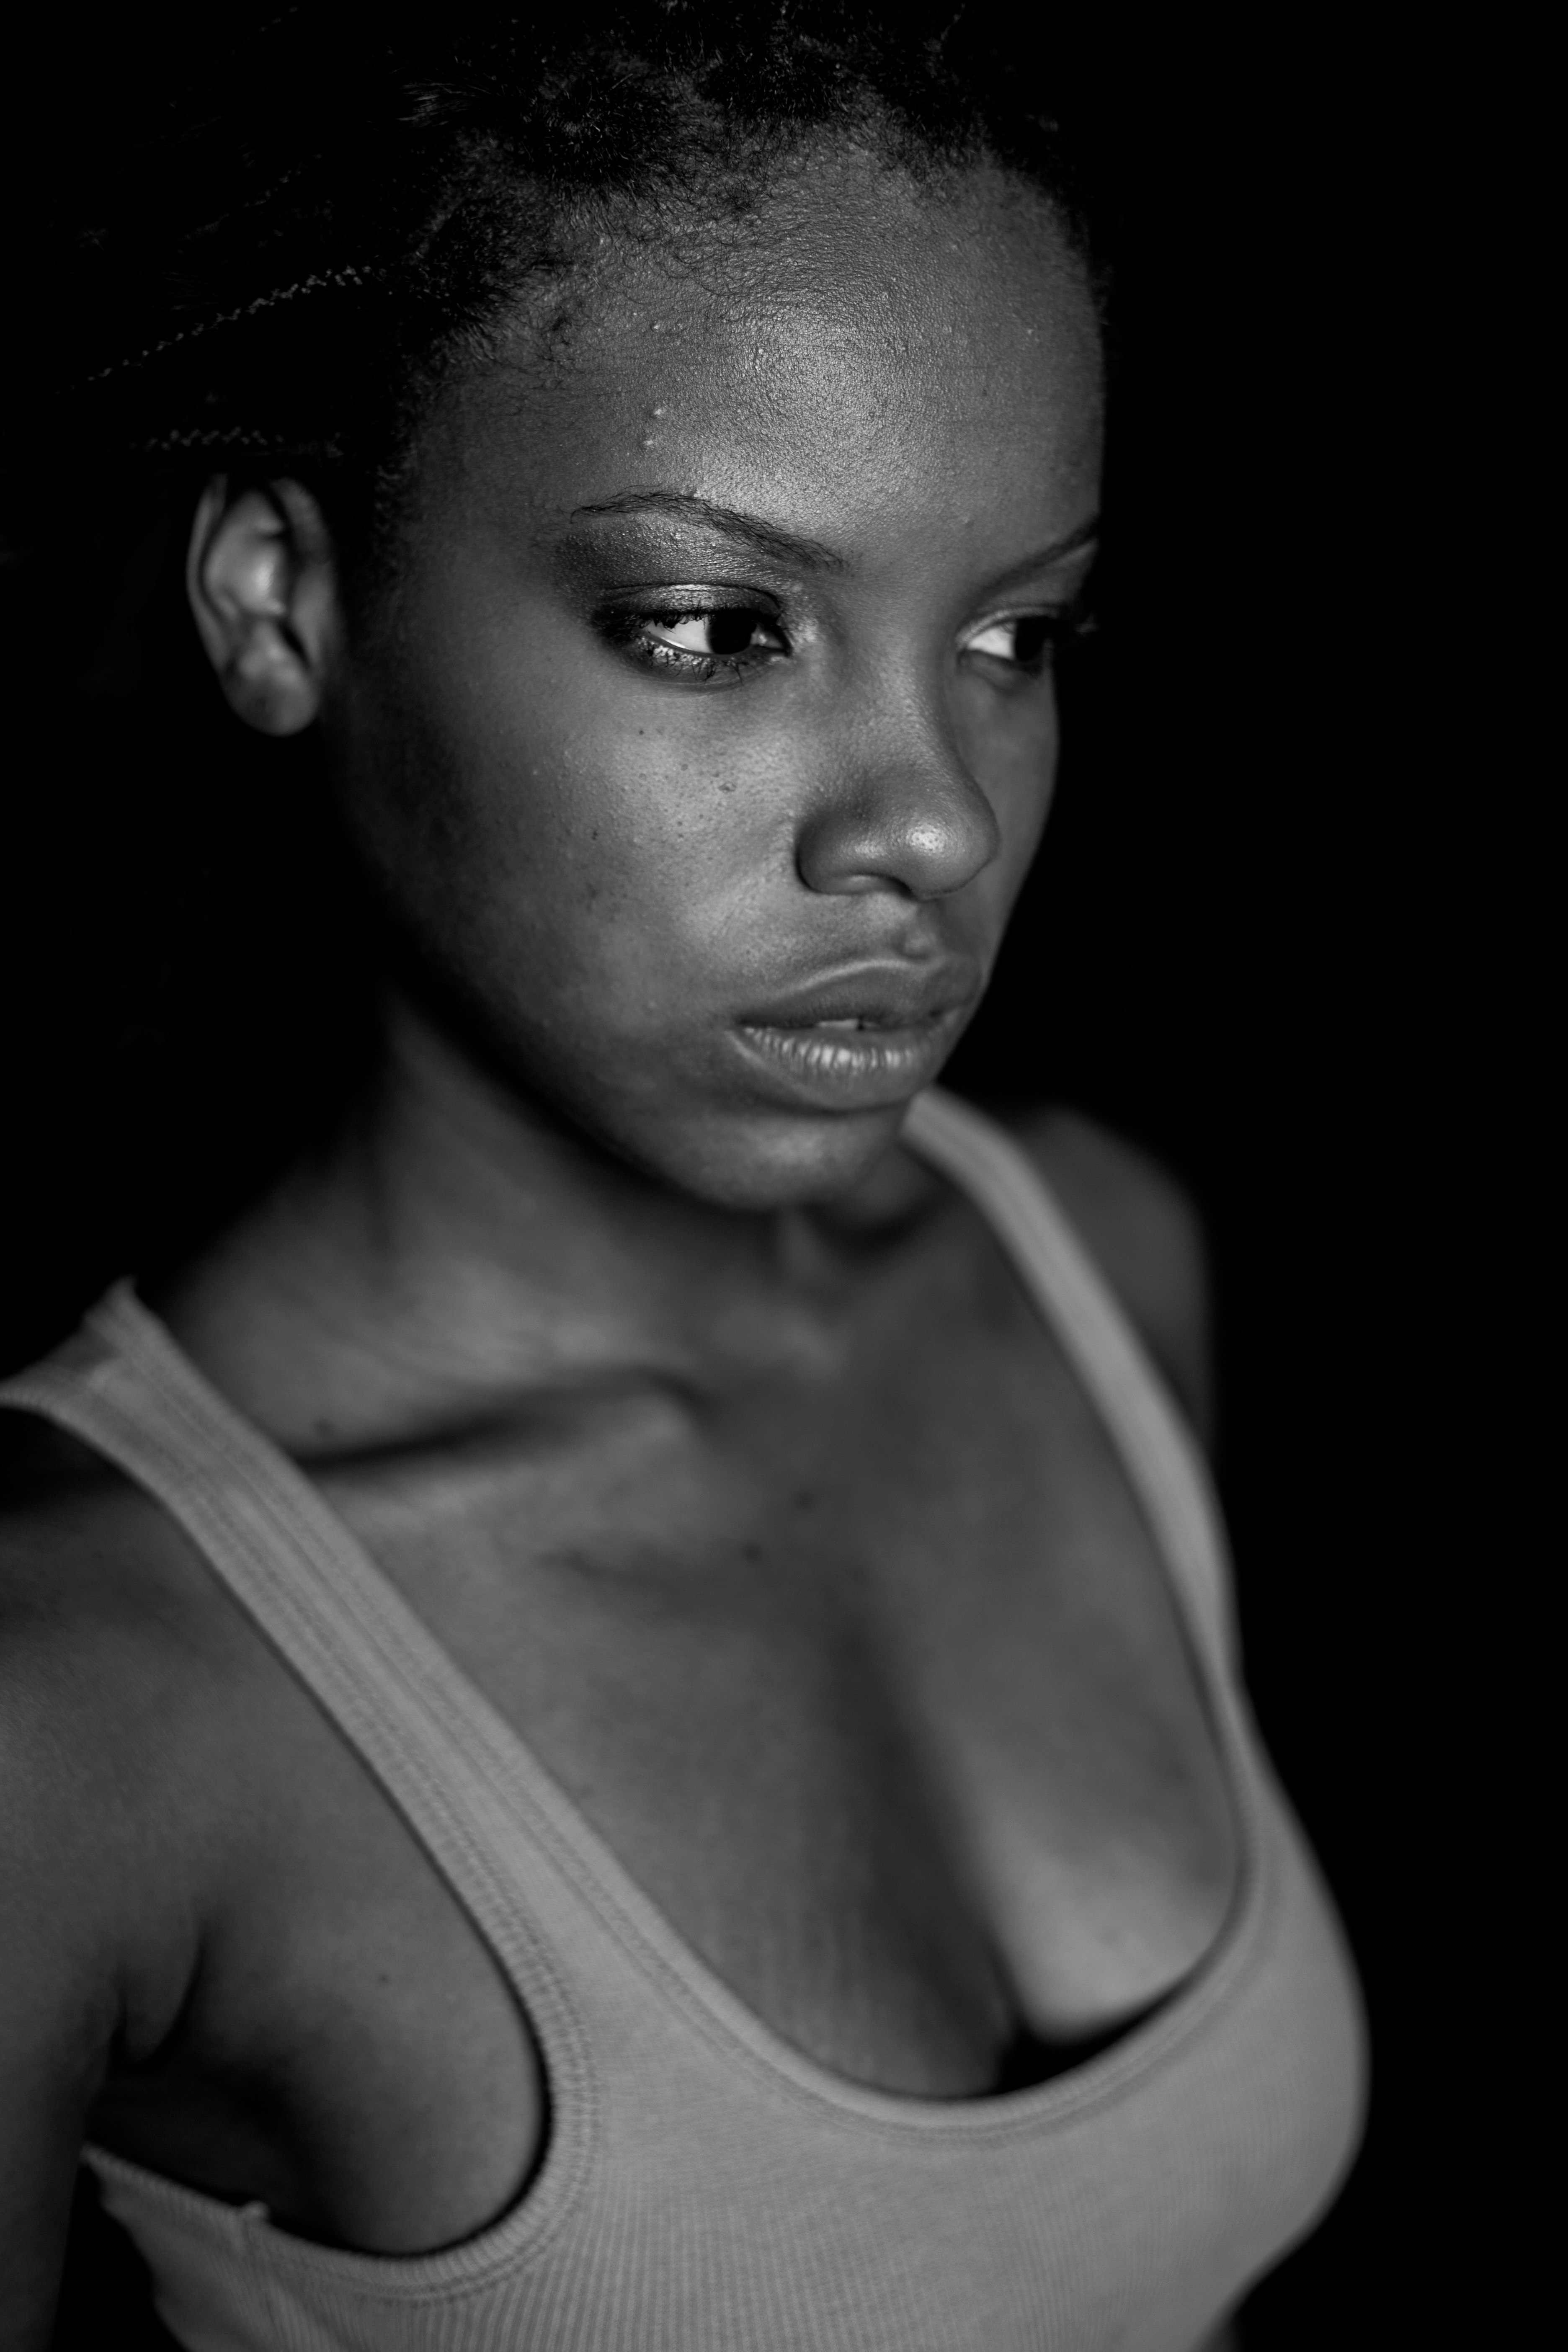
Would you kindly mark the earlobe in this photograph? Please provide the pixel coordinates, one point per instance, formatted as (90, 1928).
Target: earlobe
(260, 580)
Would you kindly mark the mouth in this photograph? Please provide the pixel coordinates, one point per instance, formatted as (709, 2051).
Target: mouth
(859, 1044)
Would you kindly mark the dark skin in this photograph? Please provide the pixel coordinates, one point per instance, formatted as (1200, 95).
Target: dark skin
(708, 1430)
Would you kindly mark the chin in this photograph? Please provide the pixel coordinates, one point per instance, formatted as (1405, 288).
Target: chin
(762, 1161)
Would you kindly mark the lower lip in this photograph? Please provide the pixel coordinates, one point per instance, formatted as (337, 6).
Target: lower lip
(850, 1069)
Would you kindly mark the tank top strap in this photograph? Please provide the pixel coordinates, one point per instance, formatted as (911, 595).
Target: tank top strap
(1161, 1460)
(445, 1757)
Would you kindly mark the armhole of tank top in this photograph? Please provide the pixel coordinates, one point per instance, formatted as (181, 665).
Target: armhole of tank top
(121, 1386)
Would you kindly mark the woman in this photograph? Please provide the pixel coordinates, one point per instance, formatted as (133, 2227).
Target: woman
(619, 1696)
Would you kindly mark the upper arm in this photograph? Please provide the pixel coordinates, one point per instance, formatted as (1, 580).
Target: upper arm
(80, 1974)
(1146, 1238)
(58, 2001)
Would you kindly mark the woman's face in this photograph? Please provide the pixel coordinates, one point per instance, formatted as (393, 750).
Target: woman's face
(702, 747)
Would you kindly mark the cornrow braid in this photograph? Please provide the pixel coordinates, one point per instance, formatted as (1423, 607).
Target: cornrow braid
(316, 280)
(185, 440)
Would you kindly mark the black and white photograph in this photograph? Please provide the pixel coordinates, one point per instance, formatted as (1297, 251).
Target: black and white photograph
(719, 1305)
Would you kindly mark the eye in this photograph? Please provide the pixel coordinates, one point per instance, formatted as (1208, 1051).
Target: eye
(706, 644)
(717, 636)
(1024, 640)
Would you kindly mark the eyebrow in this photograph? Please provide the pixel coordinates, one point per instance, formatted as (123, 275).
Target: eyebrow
(1083, 535)
(793, 547)
(787, 546)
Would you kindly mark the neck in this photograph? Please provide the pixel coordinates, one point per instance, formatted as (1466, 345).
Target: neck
(455, 1243)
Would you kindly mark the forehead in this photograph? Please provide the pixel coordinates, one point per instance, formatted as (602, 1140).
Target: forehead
(859, 343)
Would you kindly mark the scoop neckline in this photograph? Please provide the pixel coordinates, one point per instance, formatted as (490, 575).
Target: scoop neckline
(644, 1930)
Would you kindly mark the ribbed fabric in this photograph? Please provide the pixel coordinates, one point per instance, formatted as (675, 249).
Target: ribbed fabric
(707, 2188)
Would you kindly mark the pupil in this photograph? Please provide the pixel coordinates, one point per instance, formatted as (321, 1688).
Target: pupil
(730, 633)
(1029, 638)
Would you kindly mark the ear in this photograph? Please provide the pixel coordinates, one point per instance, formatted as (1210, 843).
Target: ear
(264, 591)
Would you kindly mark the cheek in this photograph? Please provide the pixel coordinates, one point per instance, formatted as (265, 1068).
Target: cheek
(556, 824)
(1010, 745)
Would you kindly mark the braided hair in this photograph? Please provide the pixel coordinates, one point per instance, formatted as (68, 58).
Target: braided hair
(284, 271)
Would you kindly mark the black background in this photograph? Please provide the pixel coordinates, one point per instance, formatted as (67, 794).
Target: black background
(1236, 949)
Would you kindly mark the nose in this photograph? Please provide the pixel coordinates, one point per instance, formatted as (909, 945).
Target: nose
(912, 818)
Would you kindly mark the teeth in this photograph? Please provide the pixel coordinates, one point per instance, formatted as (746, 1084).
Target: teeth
(852, 1023)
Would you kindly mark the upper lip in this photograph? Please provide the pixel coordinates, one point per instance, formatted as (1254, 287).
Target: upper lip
(888, 996)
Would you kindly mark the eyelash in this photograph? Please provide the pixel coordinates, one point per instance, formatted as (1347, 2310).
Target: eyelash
(1060, 625)
(629, 630)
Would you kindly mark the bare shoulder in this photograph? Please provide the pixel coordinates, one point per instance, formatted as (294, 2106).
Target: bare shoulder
(1144, 1233)
(94, 1947)
(105, 1655)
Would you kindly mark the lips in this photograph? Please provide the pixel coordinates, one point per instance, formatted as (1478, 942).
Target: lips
(880, 996)
(862, 1040)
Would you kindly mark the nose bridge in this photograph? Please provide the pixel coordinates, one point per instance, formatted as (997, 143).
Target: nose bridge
(898, 807)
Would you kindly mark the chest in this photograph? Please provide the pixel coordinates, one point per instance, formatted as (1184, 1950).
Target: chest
(867, 1671)
(869, 1674)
